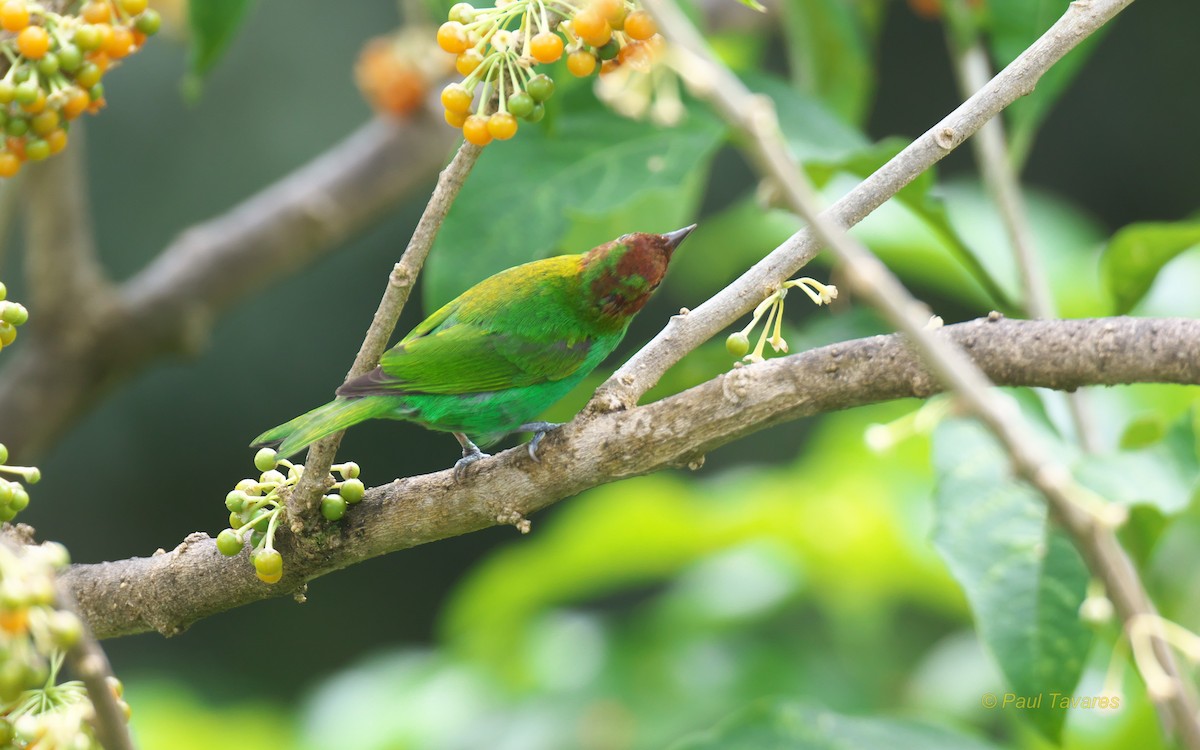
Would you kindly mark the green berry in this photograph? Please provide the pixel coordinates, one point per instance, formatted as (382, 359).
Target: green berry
(272, 477)
(87, 37)
(33, 475)
(3, 451)
(17, 127)
(8, 92)
(7, 513)
(27, 92)
(256, 539)
(263, 523)
(229, 543)
(69, 58)
(464, 13)
(540, 87)
(268, 562)
(609, 50)
(37, 150)
(235, 501)
(349, 470)
(737, 344)
(22, 73)
(3, 289)
(537, 114)
(521, 104)
(148, 22)
(8, 333)
(265, 459)
(6, 491)
(65, 628)
(14, 312)
(333, 507)
(48, 65)
(96, 92)
(20, 499)
(352, 490)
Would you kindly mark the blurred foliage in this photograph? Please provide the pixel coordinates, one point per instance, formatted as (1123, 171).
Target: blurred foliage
(858, 580)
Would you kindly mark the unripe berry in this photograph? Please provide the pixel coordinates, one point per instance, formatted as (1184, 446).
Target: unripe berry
(14, 312)
(738, 344)
(462, 12)
(540, 87)
(333, 507)
(229, 543)
(521, 104)
(235, 501)
(349, 470)
(265, 459)
(268, 564)
(20, 499)
(352, 490)
(3, 447)
(148, 22)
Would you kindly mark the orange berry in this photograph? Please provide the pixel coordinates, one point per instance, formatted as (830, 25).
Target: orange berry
(57, 140)
(640, 26)
(120, 44)
(612, 11)
(456, 99)
(591, 27)
(475, 130)
(97, 11)
(105, 33)
(9, 164)
(456, 119)
(15, 145)
(608, 66)
(502, 126)
(33, 42)
(546, 47)
(581, 63)
(45, 122)
(635, 54)
(139, 40)
(101, 59)
(468, 61)
(452, 37)
(14, 621)
(14, 15)
(76, 104)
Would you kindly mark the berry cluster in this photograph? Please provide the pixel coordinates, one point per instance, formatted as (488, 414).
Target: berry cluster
(738, 344)
(394, 72)
(12, 314)
(36, 711)
(256, 506)
(498, 47)
(55, 64)
(13, 497)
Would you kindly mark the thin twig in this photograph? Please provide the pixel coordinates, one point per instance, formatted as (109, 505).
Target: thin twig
(973, 71)
(87, 661)
(167, 592)
(1091, 527)
(305, 499)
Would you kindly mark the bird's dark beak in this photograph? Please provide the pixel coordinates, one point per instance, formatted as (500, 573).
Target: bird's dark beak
(675, 238)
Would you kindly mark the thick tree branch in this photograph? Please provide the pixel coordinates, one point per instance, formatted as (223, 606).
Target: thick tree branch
(170, 306)
(169, 591)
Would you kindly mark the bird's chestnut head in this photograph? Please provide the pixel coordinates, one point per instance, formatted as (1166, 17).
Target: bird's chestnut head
(619, 276)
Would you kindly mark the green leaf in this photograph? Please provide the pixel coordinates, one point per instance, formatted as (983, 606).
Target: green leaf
(1024, 582)
(595, 177)
(783, 725)
(213, 24)
(1136, 253)
(1014, 25)
(829, 44)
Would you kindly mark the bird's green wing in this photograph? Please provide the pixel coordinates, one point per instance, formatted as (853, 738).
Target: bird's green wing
(468, 358)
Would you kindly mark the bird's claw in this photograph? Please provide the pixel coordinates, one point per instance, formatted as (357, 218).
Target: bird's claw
(460, 466)
(539, 430)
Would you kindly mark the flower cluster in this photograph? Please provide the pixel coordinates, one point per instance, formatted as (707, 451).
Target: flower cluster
(738, 344)
(55, 66)
(256, 507)
(497, 49)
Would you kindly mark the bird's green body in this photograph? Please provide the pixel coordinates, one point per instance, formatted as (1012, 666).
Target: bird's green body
(502, 352)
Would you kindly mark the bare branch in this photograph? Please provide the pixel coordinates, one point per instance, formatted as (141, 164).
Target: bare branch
(170, 306)
(681, 336)
(169, 591)
(304, 501)
(89, 663)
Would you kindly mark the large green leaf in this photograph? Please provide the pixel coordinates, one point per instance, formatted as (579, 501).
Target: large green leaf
(782, 725)
(1013, 26)
(1136, 253)
(829, 45)
(595, 177)
(1024, 581)
(213, 24)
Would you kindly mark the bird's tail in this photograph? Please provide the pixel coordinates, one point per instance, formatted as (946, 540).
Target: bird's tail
(292, 437)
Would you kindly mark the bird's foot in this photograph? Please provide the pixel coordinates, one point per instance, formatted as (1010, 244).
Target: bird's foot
(470, 454)
(539, 430)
